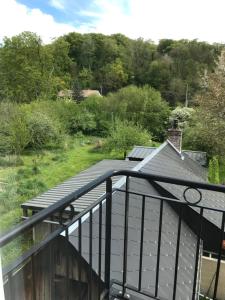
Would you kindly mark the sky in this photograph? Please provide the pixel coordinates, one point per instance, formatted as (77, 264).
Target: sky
(150, 19)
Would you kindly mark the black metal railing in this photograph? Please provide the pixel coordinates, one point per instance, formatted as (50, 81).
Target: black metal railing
(94, 270)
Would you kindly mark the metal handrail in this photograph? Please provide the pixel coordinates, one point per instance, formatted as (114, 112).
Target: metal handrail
(67, 200)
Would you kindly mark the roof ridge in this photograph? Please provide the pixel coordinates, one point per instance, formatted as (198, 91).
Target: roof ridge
(149, 157)
(148, 147)
(122, 180)
(175, 149)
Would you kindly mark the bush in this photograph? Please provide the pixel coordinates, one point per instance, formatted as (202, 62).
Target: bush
(182, 114)
(97, 107)
(70, 116)
(14, 133)
(214, 172)
(141, 105)
(42, 130)
(125, 135)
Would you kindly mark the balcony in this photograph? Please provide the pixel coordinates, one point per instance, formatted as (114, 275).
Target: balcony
(137, 241)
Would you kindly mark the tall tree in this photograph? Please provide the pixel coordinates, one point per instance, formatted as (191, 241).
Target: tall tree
(207, 132)
(24, 67)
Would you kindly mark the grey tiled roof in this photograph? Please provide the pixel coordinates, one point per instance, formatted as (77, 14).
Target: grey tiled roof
(170, 163)
(74, 183)
(140, 152)
(151, 228)
(151, 225)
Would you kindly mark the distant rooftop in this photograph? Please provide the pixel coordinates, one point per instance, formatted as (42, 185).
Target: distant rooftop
(139, 153)
(84, 93)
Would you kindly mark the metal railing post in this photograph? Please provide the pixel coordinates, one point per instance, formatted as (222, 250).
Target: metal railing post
(108, 217)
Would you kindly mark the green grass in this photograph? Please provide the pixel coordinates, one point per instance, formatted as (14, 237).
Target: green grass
(42, 171)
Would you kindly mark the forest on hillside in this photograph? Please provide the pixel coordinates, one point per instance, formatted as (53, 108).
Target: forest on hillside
(30, 70)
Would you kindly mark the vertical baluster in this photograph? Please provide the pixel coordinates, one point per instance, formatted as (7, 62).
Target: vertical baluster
(197, 256)
(80, 251)
(33, 278)
(100, 250)
(126, 216)
(141, 242)
(177, 252)
(108, 232)
(90, 255)
(159, 248)
(67, 266)
(219, 257)
(52, 271)
(10, 287)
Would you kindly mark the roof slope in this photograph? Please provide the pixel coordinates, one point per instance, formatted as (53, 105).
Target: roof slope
(74, 183)
(141, 152)
(151, 225)
(168, 162)
(151, 228)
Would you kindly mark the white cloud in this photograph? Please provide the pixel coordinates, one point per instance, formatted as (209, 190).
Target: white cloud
(59, 4)
(157, 19)
(150, 19)
(15, 18)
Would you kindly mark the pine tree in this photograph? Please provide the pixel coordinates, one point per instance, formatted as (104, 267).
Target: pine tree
(77, 91)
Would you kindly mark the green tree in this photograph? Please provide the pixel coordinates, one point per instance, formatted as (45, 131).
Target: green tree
(113, 76)
(86, 78)
(77, 91)
(24, 67)
(125, 135)
(140, 105)
(143, 53)
(207, 129)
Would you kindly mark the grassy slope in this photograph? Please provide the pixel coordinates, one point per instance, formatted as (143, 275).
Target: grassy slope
(53, 167)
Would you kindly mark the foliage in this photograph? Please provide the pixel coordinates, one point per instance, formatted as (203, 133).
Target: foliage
(29, 69)
(208, 126)
(142, 106)
(182, 114)
(42, 130)
(125, 135)
(214, 172)
(112, 76)
(97, 107)
(77, 91)
(14, 134)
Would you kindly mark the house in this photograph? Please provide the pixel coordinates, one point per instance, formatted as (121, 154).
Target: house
(84, 93)
(157, 235)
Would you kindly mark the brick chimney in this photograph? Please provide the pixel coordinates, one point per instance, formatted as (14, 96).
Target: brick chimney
(175, 135)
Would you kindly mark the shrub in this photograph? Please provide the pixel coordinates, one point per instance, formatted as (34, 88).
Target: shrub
(182, 114)
(141, 105)
(42, 130)
(214, 176)
(14, 133)
(125, 135)
(97, 107)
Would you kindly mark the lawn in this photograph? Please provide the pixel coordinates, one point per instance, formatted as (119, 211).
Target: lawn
(41, 171)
